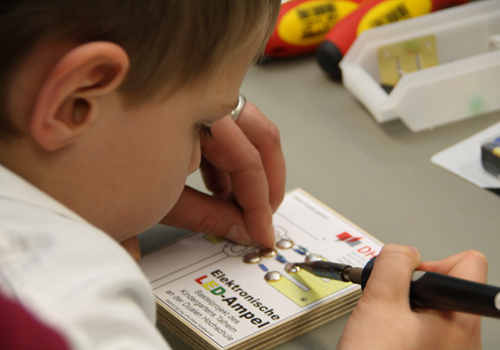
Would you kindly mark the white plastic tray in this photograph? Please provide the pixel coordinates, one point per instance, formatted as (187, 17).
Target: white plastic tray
(466, 83)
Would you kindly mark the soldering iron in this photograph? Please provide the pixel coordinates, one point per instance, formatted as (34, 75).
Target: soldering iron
(427, 289)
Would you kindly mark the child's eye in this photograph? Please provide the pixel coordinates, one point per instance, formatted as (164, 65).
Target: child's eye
(205, 131)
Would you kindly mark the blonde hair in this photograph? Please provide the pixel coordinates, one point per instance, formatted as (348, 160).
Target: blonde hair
(169, 42)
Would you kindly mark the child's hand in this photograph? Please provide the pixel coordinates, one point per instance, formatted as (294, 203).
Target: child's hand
(132, 246)
(244, 167)
(383, 318)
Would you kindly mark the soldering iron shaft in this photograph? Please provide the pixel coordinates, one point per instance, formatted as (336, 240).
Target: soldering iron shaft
(427, 289)
(331, 270)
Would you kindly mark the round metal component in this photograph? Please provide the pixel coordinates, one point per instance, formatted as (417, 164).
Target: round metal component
(291, 268)
(284, 243)
(267, 252)
(251, 258)
(272, 276)
(313, 257)
(279, 231)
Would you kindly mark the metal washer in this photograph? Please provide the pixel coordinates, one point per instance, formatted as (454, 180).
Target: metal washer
(251, 258)
(272, 276)
(284, 243)
(267, 252)
(291, 268)
(313, 257)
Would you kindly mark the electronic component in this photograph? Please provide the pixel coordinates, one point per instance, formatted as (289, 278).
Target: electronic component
(490, 156)
(405, 57)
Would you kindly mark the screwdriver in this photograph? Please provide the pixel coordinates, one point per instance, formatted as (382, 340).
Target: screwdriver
(427, 289)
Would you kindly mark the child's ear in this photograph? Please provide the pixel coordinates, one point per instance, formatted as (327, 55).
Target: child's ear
(67, 102)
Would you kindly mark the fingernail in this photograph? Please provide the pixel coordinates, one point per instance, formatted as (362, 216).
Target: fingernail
(412, 248)
(239, 234)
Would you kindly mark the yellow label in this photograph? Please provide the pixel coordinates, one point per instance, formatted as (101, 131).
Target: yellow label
(390, 11)
(404, 57)
(496, 151)
(308, 23)
(213, 239)
(317, 288)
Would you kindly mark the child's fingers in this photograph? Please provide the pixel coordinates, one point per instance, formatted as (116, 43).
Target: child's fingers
(390, 279)
(199, 212)
(232, 152)
(264, 135)
(216, 180)
(246, 158)
(132, 246)
(471, 265)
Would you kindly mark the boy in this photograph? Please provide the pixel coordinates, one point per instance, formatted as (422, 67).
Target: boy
(104, 107)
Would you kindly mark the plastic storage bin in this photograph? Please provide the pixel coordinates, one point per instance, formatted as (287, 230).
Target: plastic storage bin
(466, 83)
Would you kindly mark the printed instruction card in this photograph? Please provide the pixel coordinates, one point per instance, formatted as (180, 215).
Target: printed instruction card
(224, 295)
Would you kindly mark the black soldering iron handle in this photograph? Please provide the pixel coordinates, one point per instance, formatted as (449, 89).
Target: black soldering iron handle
(443, 292)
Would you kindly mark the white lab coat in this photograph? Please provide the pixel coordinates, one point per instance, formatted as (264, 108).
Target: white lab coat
(71, 275)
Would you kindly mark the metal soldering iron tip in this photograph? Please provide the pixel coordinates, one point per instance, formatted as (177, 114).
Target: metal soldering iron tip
(325, 269)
